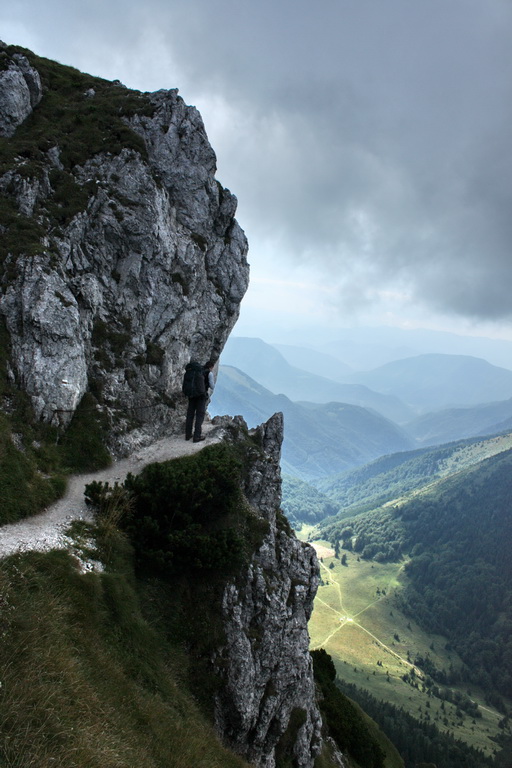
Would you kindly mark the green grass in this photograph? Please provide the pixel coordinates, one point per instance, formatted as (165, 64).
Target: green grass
(373, 645)
(86, 680)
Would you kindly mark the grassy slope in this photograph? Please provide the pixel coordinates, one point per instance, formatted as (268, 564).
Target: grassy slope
(390, 477)
(87, 682)
(392, 758)
(357, 626)
(361, 740)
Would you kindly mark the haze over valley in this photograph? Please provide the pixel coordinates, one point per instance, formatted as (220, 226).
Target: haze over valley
(410, 402)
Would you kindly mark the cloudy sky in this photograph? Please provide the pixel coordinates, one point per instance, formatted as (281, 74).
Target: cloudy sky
(368, 142)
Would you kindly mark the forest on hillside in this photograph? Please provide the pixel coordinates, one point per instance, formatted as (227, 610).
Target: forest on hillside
(457, 537)
(302, 503)
(397, 474)
(419, 742)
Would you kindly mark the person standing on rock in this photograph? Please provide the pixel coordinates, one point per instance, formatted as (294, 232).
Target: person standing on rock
(198, 379)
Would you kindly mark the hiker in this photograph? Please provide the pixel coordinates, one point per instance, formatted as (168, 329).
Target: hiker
(198, 379)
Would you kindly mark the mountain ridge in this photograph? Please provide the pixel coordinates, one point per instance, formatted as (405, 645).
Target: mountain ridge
(434, 381)
(458, 423)
(265, 364)
(392, 477)
(318, 437)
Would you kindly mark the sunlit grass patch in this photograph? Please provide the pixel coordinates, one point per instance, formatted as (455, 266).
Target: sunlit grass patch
(358, 621)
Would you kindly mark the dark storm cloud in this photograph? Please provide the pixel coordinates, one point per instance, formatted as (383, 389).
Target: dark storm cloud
(385, 135)
(371, 137)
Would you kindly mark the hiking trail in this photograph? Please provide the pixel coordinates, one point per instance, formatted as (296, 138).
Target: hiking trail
(47, 530)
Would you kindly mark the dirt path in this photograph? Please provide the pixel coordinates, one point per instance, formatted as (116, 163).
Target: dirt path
(47, 530)
(343, 618)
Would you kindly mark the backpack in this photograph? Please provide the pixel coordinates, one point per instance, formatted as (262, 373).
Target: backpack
(194, 380)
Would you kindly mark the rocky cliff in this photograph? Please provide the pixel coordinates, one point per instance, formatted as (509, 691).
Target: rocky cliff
(121, 257)
(269, 698)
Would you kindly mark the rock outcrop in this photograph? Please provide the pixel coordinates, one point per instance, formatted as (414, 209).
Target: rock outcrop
(119, 265)
(20, 92)
(268, 700)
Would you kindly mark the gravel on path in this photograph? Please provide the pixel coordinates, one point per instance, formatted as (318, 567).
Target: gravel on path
(46, 530)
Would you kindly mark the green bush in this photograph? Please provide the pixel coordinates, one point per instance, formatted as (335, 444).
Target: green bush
(189, 513)
(82, 446)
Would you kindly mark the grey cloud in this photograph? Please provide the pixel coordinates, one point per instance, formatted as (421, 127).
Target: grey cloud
(371, 137)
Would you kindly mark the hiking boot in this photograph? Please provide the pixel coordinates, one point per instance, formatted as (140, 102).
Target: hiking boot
(198, 439)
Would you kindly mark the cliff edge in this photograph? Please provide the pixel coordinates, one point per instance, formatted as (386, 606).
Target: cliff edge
(269, 699)
(121, 258)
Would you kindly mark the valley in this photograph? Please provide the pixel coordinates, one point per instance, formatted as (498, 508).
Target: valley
(375, 646)
(413, 545)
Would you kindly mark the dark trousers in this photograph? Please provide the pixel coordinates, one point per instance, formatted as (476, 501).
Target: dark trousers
(196, 408)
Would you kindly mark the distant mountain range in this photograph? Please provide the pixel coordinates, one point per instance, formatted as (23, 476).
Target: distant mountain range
(430, 382)
(269, 367)
(365, 348)
(313, 361)
(320, 439)
(457, 423)
(331, 425)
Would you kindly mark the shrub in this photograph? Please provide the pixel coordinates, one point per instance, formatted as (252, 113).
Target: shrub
(82, 446)
(189, 513)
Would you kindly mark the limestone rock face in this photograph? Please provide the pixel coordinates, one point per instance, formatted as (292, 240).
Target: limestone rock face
(20, 92)
(145, 272)
(269, 693)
